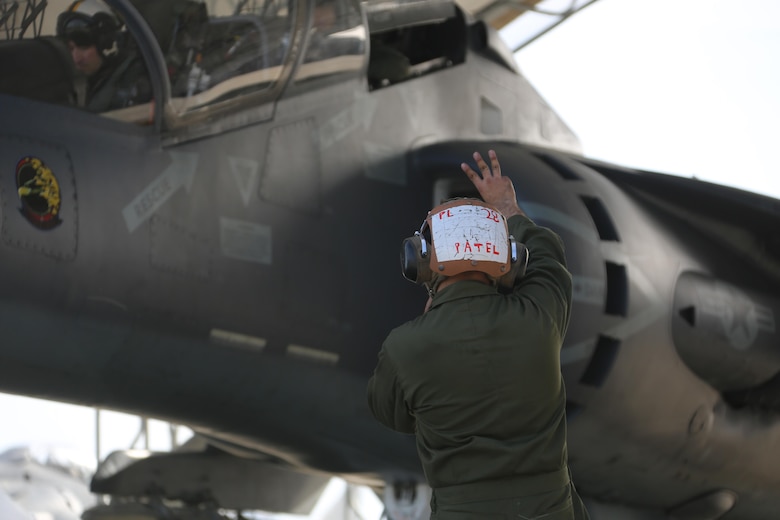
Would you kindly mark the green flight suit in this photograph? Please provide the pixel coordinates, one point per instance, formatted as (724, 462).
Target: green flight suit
(478, 380)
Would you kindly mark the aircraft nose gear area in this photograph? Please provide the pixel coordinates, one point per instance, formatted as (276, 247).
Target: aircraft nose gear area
(407, 501)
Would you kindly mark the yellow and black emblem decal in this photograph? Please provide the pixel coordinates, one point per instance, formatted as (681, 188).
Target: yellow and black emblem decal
(39, 192)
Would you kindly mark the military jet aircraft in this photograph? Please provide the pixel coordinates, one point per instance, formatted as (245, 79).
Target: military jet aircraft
(218, 247)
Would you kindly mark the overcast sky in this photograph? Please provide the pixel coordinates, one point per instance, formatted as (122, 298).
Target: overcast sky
(679, 86)
(689, 87)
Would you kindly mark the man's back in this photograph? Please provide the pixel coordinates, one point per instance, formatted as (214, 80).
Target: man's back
(480, 373)
(477, 377)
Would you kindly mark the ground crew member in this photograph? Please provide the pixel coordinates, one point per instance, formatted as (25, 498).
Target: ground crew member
(477, 376)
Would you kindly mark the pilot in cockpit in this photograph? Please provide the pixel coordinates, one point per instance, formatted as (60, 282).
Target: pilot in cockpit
(116, 76)
(326, 40)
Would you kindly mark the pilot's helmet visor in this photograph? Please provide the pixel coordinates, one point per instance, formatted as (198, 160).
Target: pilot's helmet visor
(76, 28)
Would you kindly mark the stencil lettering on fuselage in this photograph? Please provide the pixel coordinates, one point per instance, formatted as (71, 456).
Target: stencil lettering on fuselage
(178, 174)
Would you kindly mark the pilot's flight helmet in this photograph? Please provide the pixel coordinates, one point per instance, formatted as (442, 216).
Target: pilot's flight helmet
(91, 22)
(463, 235)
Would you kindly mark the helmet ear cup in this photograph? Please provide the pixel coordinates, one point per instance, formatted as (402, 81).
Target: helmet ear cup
(519, 262)
(415, 260)
(106, 31)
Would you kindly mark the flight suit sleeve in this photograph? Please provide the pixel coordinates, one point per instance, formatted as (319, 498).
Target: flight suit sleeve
(386, 399)
(547, 282)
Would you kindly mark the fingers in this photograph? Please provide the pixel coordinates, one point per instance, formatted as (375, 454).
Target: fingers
(482, 165)
(494, 170)
(494, 163)
(469, 172)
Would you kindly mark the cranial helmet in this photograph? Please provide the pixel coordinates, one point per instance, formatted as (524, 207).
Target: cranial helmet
(91, 22)
(463, 235)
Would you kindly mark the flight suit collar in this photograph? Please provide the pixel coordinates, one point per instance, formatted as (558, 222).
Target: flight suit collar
(462, 289)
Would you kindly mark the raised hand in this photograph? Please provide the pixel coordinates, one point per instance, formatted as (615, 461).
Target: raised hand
(494, 189)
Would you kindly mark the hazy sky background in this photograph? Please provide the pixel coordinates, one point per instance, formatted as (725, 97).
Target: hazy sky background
(689, 87)
(678, 86)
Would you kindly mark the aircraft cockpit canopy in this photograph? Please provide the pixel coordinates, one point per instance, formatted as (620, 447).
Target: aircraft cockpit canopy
(174, 61)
